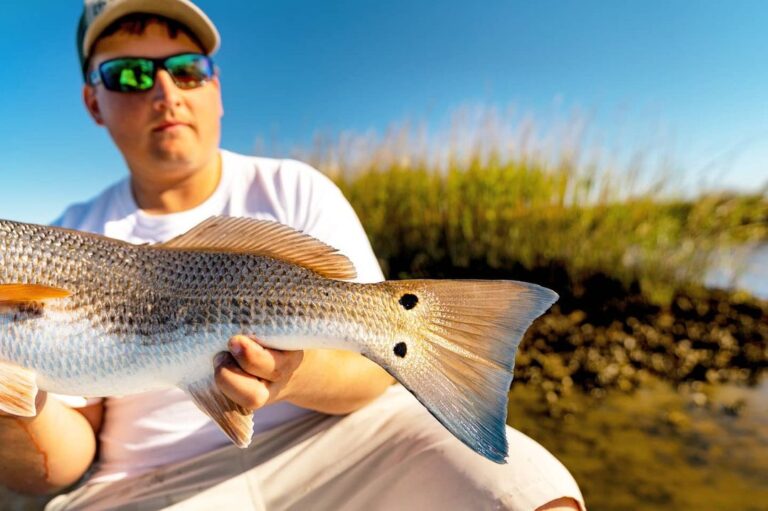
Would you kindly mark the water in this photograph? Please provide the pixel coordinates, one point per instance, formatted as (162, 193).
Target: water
(744, 267)
(659, 448)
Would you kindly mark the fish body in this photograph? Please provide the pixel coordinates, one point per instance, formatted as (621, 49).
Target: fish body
(87, 315)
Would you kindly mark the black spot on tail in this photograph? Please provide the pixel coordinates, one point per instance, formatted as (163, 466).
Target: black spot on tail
(409, 301)
(401, 349)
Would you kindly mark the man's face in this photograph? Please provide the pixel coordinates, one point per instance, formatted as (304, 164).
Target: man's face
(166, 132)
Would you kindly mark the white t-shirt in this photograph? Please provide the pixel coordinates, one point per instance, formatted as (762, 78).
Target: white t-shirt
(144, 431)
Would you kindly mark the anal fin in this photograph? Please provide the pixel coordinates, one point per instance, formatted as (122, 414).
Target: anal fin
(233, 419)
(18, 390)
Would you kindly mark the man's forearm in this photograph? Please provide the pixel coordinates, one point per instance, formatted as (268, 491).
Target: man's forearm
(336, 382)
(46, 453)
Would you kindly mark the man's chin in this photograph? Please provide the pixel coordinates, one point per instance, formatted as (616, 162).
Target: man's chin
(173, 157)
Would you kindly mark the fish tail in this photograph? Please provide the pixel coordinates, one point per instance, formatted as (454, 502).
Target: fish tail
(455, 351)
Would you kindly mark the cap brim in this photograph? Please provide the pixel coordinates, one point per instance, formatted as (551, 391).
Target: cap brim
(182, 11)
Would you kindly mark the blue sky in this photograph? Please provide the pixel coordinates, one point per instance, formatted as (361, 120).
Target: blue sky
(691, 76)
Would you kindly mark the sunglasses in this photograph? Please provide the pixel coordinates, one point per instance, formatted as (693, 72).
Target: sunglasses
(137, 74)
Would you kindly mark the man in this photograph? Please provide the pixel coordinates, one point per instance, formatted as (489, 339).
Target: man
(331, 431)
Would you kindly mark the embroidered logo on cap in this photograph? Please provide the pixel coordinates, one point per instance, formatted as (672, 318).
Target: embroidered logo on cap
(93, 8)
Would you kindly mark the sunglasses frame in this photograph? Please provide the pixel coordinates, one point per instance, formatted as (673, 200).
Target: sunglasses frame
(96, 76)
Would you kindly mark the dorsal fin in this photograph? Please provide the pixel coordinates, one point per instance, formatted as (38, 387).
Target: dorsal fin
(25, 293)
(265, 238)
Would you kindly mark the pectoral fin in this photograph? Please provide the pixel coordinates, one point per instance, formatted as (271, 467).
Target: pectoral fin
(24, 293)
(18, 389)
(233, 419)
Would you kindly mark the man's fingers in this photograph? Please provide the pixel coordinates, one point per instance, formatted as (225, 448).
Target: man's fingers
(239, 386)
(250, 373)
(272, 365)
(252, 357)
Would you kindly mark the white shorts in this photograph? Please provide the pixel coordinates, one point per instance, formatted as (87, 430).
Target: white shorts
(389, 455)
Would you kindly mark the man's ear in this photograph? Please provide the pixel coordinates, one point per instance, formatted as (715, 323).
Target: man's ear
(92, 104)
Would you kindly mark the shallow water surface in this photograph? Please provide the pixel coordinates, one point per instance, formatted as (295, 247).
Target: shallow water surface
(703, 448)
(744, 267)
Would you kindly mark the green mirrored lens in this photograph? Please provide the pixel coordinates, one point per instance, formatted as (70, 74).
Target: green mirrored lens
(189, 70)
(128, 74)
(137, 74)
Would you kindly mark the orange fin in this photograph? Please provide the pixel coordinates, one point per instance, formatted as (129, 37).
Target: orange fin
(22, 293)
(233, 419)
(265, 238)
(18, 389)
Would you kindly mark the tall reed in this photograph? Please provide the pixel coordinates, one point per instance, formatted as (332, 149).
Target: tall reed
(503, 199)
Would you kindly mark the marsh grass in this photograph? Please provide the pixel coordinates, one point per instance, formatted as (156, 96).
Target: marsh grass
(501, 199)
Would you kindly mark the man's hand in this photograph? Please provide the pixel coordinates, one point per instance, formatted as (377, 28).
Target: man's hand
(254, 376)
(324, 380)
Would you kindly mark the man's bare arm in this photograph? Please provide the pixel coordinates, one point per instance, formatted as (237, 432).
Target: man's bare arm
(328, 381)
(48, 452)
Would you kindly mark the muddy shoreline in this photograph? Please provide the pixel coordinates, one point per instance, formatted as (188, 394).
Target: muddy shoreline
(594, 344)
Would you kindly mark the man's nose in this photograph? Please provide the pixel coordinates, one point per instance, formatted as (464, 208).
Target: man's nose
(165, 93)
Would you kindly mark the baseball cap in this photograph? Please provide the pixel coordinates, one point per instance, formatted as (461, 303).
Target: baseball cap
(99, 14)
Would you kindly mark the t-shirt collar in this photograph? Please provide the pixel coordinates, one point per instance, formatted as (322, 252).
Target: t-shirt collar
(165, 226)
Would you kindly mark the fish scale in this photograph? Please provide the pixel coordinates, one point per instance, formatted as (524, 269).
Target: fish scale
(87, 315)
(154, 298)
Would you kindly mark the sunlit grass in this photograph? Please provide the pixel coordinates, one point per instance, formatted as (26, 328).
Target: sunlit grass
(501, 200)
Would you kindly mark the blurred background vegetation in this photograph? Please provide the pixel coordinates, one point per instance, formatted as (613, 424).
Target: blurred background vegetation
(479, 197)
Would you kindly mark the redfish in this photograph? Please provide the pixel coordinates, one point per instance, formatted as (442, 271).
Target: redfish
(87, 315)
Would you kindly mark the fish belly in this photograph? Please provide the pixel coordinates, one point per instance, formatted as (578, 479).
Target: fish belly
(73, 358)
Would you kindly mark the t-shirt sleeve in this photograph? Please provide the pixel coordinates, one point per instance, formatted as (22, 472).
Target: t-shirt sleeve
(318, 208)
(71, 218)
